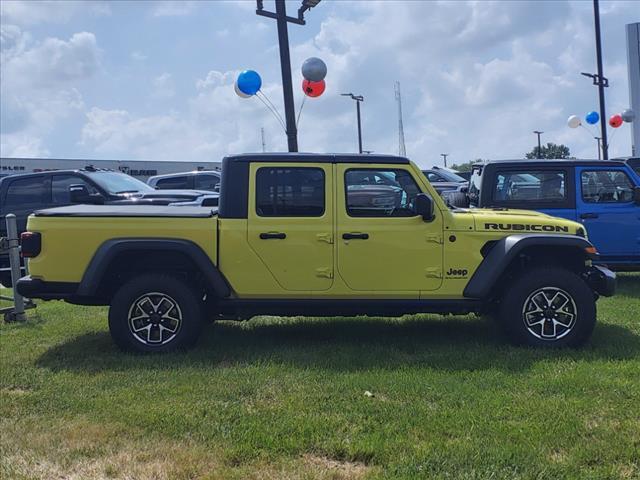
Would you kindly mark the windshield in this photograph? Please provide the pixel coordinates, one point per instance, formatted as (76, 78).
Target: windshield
(116, 182)
(450, 176)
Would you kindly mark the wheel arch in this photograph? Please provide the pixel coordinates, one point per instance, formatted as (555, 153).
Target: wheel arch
(515, 252)
(153, 254)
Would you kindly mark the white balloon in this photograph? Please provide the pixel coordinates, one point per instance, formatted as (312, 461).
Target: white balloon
(628, 115)
(314, 69)
(239, 92)
(574, 121)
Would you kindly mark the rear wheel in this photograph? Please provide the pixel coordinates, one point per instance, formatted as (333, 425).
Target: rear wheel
(549, 307)
(155, 313)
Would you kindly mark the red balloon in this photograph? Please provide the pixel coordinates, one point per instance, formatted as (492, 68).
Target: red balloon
(615, 120)
(313, 89)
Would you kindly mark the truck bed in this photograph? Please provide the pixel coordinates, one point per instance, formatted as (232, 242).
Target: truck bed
(128, 211)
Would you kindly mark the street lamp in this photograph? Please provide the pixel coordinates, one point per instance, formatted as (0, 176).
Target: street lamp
(358, 99)
(285, 61)
(444, 156)
(538, 133)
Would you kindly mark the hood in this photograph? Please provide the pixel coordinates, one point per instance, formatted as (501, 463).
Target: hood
(522, 221)
(181, 194)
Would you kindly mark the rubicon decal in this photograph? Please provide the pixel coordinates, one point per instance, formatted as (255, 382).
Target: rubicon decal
(526, 228)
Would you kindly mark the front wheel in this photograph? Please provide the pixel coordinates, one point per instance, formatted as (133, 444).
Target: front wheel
(550, 307)
(155, 313)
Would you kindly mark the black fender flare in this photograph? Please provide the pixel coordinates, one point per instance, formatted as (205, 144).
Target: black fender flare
(110, 249)
(506, 249)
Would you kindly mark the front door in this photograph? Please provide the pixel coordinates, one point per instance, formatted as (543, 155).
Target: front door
(290, 223)
(606, 208)
(382, 245)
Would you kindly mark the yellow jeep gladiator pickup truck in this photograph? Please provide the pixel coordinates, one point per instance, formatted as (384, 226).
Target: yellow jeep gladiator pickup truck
(315, 234)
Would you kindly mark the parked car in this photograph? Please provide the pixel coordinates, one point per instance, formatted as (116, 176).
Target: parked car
(290, 239)
(444, 179)
(22, 194)
(604, 195)
(200, 180)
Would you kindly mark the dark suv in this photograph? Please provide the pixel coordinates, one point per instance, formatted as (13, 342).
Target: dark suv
(25, 193)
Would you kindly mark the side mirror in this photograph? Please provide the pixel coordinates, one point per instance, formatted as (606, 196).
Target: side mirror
(636, 195)
(79, 193)
(424, 206)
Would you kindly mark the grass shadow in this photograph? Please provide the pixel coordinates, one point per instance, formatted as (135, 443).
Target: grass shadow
(343, 344)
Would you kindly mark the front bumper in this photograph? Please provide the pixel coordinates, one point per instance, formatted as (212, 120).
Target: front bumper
(601, 280)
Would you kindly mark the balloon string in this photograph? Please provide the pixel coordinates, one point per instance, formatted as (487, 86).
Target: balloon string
(611, 137)
(589, 131)
(300, 111)
(275, 113)
(274, 109)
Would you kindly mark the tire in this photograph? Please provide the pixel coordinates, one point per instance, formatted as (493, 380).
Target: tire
(155, 313)
(457, 199)
(548, 307)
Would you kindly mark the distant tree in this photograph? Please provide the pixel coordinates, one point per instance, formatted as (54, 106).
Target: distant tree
(550, 150)
(465, 167)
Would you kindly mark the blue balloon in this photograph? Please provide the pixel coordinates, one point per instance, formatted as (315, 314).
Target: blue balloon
(592, 118)
(249, 82)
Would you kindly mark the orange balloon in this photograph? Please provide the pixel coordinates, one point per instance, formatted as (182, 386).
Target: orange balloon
(313, 89)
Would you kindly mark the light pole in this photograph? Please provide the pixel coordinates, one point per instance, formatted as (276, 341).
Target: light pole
(444, 156)
(599, 147)
(600, 80)
(358, 99)
(538, 133)
(285, 61)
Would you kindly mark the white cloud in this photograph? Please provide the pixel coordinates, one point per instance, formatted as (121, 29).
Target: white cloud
(163, 86)
(138, 56)
(22, 145)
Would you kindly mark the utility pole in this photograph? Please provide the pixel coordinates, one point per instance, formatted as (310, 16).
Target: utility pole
(358, 99)
(538, 133)
(444, 155)
(285, 60)
(600, 80)
(402, 151)
(264, 145)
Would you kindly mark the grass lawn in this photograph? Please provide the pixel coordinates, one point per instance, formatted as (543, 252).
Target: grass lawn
(285, 398)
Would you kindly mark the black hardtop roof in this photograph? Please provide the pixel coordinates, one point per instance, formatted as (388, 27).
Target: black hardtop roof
(316, 158)
(554, 162)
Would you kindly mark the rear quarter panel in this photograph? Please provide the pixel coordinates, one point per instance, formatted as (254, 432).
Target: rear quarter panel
(69, 243)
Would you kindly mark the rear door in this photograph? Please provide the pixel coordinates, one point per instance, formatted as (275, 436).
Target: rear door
(290, 223)
(606, 208)
(382, 245)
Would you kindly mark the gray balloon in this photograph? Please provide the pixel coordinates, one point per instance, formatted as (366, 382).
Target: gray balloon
(628, 115)
(314, 69)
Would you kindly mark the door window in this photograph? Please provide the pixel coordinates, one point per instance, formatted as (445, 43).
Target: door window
(534, 185)
(173, 183)
(27, 191)
(290, 192)
(606, 186)
(380, 193)
(207, 182)
(60, 188)
(434, 177)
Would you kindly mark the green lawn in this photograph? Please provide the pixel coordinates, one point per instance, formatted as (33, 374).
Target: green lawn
(285, 398)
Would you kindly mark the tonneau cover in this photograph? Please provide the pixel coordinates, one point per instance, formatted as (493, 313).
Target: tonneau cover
(127, 211)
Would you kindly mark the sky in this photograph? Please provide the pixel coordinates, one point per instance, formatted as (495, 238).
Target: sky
(153, 80)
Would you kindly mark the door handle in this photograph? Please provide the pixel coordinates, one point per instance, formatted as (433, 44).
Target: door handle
(589, 215)
(355, 236)
(273, 235)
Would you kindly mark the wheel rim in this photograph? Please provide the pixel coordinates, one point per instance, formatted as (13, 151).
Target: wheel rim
(154, 319)
(549, 313)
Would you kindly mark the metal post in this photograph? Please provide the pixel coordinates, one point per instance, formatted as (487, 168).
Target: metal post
(14, 261)
(285, 66)
(444, 156)
(599, 151)
(601, 85)
(538, 133)
(359, 127)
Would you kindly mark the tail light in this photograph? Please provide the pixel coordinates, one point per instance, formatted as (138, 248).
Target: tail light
(30, 243)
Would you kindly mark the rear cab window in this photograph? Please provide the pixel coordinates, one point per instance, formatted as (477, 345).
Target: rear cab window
(532, 188)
